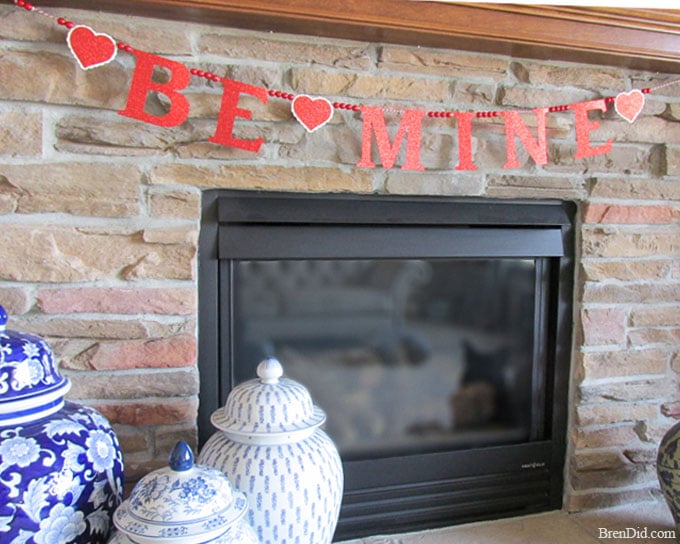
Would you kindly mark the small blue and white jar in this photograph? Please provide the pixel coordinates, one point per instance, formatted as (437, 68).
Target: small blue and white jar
(271, 446)
(61, 467)
(183, 503)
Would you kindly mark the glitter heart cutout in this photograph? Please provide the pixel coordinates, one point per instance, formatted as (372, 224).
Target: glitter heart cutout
(89, 48)
(311, 112)
(629, 105)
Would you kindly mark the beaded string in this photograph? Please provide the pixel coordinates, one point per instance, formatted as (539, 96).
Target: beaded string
(447, 114)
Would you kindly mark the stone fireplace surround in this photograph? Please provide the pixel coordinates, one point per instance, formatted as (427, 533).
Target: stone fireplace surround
(100, 215)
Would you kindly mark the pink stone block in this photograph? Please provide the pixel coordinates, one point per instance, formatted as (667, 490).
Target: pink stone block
(118, 301)
(178, 351)
(604, 326)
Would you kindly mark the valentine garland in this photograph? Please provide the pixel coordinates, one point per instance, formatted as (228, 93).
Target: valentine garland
(92, 50)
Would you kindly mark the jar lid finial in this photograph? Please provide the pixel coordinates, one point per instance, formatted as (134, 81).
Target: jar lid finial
(270, 370)
(181, 457)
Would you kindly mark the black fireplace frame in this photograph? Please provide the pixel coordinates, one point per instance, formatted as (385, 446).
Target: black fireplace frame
(417, 491)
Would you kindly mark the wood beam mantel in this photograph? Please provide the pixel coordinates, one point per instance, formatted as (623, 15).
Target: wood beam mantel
(634, 38)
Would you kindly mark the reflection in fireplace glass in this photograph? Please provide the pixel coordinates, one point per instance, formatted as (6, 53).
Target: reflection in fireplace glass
(404, 356)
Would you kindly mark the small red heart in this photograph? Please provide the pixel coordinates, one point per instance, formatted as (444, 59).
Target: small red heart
(312, 113)
(629, 105)
(89, 48)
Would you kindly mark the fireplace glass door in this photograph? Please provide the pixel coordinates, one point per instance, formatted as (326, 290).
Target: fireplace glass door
(434, 332)
(405, 355)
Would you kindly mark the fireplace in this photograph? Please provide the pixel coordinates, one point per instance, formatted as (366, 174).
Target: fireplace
(436, 334)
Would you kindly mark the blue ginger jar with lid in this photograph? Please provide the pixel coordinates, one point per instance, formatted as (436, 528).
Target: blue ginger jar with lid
(270, 444)
(61, 467)
(668, 470)
(183, 503)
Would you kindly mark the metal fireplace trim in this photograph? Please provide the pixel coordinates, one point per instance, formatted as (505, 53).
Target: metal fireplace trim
(427, 490)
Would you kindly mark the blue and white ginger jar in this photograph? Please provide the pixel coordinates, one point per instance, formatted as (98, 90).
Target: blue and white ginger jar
(272, 447)
(61, 468)
(183, 503)
(668, 470)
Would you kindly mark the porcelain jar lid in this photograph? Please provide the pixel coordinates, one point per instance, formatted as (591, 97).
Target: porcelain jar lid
(183, 503)
(270, 409)
(31, 386)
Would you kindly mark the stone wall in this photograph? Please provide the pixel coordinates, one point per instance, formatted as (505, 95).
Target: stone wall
(100, 214)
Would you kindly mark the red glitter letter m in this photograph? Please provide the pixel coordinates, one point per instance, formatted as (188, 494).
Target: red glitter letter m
(374, 123)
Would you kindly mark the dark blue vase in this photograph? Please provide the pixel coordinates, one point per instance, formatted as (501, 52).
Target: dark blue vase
(668, 470)
(61, 467)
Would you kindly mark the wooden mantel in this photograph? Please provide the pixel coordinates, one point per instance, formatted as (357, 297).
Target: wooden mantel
(634, 38)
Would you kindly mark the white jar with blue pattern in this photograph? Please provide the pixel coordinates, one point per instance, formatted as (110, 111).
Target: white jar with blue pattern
(61, 468)
(272, 448)
(183, 503)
